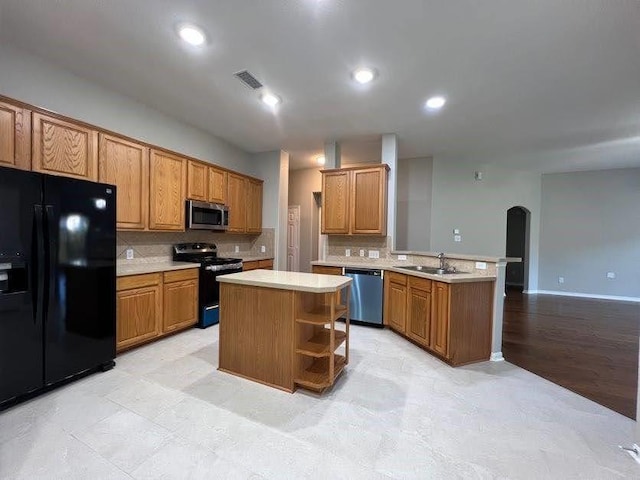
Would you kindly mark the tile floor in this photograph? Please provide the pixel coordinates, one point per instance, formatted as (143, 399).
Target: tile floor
(165, 413)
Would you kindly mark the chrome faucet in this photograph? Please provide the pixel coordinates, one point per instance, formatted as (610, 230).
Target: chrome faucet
(441, 257)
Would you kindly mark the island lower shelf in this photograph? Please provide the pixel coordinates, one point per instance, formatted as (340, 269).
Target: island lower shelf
(284, 338)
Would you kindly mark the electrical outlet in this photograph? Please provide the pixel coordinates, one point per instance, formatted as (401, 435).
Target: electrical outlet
(361, 252)
(560, 279)
(129, 253)
(457, 238)
(374, 254)
(611, 275)
(481, 265)
(402, 257)
(263, 249)
(347, 252)
(236, 249)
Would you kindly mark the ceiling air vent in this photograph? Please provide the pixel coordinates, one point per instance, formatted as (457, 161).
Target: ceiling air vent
(248, 79)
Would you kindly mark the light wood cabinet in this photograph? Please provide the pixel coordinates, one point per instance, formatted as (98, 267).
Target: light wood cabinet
(217, 186)
(265, 264)
(139, 309)
(15, 136)
(255, 264)
(153, 305)
(324, 270)
(180, 300)
(419, 310)
(126, 165)
(236, 201)
(244, 199)
(440, 314)
(254, 206)
(354, 201)
(197, 181)
(451, 320)
(64, 148)
(335, 202)
(168, 178)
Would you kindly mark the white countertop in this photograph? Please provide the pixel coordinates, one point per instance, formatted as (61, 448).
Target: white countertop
(389, 265)
(302, 282)
(123, 268)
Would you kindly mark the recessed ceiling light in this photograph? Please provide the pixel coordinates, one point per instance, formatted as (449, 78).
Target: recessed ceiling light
(191, 34)
(435, 103)
(270, 99)
(364, 75)
(321, 160)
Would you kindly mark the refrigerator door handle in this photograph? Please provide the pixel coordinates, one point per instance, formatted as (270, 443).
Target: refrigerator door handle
(50, 258)
(37, 291)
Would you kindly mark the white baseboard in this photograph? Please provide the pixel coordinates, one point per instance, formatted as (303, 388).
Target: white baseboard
(496, 357)
(583, 295)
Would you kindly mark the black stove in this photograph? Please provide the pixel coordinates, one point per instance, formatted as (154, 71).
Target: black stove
(211, 266)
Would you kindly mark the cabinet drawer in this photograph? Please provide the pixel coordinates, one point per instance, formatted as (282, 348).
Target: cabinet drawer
(321, 269)
(181, 275)
(138, 281)
(397, 278)
(267, 264)
(421, 283)
(246, 266)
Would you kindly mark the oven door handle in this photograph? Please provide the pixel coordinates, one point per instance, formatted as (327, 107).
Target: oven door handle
(223, 268)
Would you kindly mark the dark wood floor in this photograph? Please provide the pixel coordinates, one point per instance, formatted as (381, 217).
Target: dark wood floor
(588, 346)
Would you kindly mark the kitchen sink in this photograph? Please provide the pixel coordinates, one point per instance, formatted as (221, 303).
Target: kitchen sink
(432, 270)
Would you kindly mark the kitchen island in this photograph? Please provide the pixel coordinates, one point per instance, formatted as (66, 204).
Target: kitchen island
(279, 328)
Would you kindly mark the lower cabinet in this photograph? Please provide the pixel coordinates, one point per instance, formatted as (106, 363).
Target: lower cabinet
(256, 264)
(324, 270)
(152, 305)
(452, 321)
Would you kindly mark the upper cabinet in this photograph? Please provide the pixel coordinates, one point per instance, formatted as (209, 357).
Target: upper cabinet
(15, 136)
(167, 187)
(354, 201)
(126, 165)
(217, 185)
(64, 148)
(197, 181)
(244, 199)
(254, 206)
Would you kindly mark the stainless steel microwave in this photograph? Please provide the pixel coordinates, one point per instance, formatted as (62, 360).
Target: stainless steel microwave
(207, 216)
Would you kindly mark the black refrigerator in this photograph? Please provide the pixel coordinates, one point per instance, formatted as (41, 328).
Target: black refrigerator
(57, 280)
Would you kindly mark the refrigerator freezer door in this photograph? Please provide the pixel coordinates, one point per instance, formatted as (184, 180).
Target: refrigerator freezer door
(21, 359)
(80, 326)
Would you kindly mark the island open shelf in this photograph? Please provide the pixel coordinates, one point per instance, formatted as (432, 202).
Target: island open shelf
(282, 329)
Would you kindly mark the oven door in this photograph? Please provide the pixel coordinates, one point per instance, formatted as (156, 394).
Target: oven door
(209, 292)
(206, 216)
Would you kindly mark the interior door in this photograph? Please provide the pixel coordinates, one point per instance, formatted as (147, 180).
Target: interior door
(80, 326)
(21, 257)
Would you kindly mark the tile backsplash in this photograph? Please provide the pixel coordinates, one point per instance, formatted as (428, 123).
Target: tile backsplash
(336, 245)
(158, 244)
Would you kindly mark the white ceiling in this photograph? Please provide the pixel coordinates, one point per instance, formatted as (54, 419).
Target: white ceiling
(548, 85)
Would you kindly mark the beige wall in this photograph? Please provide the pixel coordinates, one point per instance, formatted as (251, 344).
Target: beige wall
(302, 184)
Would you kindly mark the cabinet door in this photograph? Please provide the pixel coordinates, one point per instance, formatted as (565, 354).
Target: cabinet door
(440, 319)
(246, 266)
(323, 270)
(396, 306)
(139, 315)
(368, 201)
(197, 181)
(64, 148)
(180, 305)
(254, 206)
(236, 200)
(217, 186)
(15, 136)
(265, 264)
(167, 191)
(335, 202)
(419, 314)
(126, 165)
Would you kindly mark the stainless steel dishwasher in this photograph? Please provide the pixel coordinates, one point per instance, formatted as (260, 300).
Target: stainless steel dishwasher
(365, 304)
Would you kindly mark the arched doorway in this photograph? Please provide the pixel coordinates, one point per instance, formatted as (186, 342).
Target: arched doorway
(517, 274)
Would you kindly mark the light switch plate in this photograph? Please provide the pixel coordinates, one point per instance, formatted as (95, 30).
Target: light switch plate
(236, 249)
(456, 231)
(481, 265)
(560, 279)
(402, 257)
(457, 238)
(374, 254)
(347, 252)
(263, 249)
(129, 253)
(611, 275)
